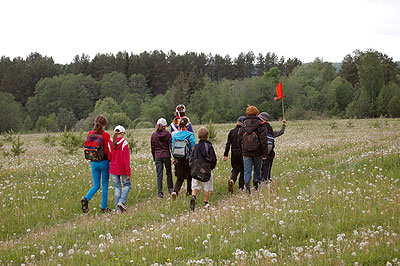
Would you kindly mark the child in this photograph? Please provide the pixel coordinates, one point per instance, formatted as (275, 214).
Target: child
(120, 167)
(182, 169)
(267, 162)
(100, 169)
(205, 154)
(180, 112)
(236, 156)
(160, 148)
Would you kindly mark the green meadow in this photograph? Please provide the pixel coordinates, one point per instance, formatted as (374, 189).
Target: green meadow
(334, 200)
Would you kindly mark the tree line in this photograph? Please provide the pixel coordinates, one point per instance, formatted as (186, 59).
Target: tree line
(135, 90)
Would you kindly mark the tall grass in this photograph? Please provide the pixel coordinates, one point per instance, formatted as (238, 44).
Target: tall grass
(334, 200)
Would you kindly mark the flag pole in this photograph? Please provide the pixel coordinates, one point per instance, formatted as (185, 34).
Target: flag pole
(283, 110)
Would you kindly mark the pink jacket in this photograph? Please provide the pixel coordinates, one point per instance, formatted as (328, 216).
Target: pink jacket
(120, 158)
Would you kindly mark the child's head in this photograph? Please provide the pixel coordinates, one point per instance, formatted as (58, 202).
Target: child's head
(202, 133)
(161, 124)
(240, 120)
(264, 116)
(100, 123)
(184, 123)
(251, 110)
(180, 110)
(118, 132)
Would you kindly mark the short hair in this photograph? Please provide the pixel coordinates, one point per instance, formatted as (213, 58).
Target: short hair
(251, 110)
(203, 133)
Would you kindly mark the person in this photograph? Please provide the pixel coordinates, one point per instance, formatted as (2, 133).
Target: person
(182, 169)
(253, 140)
(267, 162)
(180, 111)
(161, 141)
(120, 167)
(236, 156)
(100, 169)
(206, 154)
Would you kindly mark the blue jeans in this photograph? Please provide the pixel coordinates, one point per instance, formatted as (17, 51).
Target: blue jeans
(100, 169)
(248, 163)
(117, 188)
(159, 167)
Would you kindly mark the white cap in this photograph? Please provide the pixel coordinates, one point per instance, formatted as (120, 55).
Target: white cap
(119, 129)
(162, 122)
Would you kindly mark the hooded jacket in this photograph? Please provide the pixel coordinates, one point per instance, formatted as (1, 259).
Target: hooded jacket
(120, 158)
(202, 154)
(161, 144)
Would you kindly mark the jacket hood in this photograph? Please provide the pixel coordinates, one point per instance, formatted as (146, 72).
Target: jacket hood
(182, 134)
(121, 143)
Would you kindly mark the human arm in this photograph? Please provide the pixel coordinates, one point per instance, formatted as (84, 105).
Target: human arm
(190, 129)
(126, 158)
(279, 133)
(153, 147)
(228, 145)
(213, 157)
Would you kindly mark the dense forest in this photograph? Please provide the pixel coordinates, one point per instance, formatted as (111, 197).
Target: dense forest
(37, 94)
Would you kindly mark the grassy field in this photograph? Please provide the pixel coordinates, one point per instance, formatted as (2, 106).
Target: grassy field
(334, 200)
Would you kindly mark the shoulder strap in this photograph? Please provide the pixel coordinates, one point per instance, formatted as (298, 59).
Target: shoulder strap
(207, 152)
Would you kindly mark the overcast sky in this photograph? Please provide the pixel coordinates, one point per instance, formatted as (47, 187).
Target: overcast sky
(291, 28)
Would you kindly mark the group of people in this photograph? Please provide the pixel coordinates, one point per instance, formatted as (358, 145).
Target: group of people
(251, 143)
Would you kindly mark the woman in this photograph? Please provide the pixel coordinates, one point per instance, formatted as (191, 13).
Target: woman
(161, 141)
(100, 169)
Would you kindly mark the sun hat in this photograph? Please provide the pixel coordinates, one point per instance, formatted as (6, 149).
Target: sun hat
(264, 116)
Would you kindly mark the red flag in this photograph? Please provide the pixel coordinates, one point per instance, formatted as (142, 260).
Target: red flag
(279, 92)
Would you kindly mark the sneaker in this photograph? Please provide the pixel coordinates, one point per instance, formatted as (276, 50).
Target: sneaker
(106, 210)
(230, 185)
(192, 203)
(206, 206)
(173, 195)
(85, 205)
(160, 195)
(121, 207)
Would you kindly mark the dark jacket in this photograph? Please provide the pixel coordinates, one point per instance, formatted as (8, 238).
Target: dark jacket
(233, 141)
(202, 155)
(253, 124)
(161, 144)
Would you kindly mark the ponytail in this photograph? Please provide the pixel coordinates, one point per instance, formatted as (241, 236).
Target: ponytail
(99, 123)
(115, 137)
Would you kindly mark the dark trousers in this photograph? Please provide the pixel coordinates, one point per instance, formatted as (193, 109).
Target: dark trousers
(267, 166)
(159, 167)
(237, 168)
(182, 172)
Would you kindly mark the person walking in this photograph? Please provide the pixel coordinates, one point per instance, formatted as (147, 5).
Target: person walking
(100, 169)
(271, 135)
(182, 144)
(253, 139)
(120, 168)
(236, 156)
(180, 112)
(205, 154)
(161, 141)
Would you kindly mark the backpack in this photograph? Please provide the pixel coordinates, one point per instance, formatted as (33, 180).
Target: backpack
(250, 140)
(199, 169)
(270, 142)
(93, 148)
(181, 148)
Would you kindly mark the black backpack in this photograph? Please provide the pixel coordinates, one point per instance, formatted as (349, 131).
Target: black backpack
(270, 138)
(199, 169)
(250, 140)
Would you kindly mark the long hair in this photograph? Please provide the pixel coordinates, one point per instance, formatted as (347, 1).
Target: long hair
(99, 123)
(183, 123)
(160, 127)
(115, 137)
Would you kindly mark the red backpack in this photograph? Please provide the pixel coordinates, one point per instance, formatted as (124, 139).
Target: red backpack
(94, 150)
